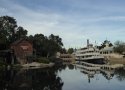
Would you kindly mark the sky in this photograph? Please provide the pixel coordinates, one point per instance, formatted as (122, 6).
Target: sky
(73, 20)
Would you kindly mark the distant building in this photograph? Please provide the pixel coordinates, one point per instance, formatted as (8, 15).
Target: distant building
(107, 49)
(22, 49)
(66, 57)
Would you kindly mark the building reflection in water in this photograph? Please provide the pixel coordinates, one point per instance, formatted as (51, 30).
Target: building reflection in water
(49, 79)
(107, 73)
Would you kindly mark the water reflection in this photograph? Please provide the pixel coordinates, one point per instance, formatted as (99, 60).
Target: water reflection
(56, 78)
(107, 73)
(120, 74)
(35, 79)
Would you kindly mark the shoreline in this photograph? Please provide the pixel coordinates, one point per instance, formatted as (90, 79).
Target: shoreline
(32, 65)
(37, 65)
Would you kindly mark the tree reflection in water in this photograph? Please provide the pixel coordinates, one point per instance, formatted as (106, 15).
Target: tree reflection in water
(120, 74)
(35, 79)
(47, 79)
(71, 67)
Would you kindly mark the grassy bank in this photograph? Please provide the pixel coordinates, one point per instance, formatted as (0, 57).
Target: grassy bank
(43, 60)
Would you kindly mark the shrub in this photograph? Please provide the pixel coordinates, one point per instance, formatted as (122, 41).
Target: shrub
(2, 63)
(43, 60)
(31, 58)
(57, 61)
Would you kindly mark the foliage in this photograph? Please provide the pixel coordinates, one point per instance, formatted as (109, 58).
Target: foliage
(43, 60)
(119, 47)
(70, 50)
(57, 61)
(31, 58)
(63, 50)
(54, 45)
(2, 63)
(34, 79)
(21, 33)
(120, 74)
(1, 60)
(104, 44)
(7, 26)
(9, 31)
(44, 46)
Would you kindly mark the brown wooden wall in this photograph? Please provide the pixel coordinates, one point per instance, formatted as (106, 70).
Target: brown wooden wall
(22, 53)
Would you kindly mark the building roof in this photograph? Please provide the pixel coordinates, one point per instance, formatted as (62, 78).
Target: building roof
(18, 41)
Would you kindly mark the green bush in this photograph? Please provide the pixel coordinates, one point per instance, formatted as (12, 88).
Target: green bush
(57, 61)
(31, 58)
(43, 60)
(2, 63)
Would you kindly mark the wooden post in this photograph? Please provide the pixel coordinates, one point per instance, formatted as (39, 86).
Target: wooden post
(12, 57)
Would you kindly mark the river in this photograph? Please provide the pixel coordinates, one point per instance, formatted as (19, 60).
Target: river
(66, 77)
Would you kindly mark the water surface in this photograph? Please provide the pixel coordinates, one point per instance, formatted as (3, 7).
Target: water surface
(66, 77)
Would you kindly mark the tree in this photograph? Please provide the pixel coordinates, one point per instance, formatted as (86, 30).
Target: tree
(38, 44)
(70, 50)
(21, 33)
(3, 41)
(43, 45)
(63, 50)
(46, 46)
(55, 44)
(56, 39)
(110, 44)
(7, 31)
(104, 44)
(119, 47)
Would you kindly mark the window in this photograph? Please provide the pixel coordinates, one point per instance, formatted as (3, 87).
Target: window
(24, 48)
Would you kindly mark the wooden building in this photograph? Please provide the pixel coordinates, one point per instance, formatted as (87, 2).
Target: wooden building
(22, 49)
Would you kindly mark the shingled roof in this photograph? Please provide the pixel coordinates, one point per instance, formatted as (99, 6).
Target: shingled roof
(20, 40)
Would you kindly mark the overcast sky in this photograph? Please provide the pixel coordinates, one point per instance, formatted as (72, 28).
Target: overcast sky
(73, 20)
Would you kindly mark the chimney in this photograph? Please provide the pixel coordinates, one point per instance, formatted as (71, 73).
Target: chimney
(87, 42)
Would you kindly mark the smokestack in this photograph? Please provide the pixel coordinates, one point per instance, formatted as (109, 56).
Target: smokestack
(87, 42)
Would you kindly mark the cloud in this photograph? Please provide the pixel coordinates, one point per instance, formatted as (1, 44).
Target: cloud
(75, 23)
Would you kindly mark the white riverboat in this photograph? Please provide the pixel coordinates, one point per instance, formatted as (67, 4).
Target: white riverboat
(88, 53)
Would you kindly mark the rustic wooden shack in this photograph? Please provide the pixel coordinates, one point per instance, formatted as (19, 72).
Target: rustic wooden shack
(22, 49)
